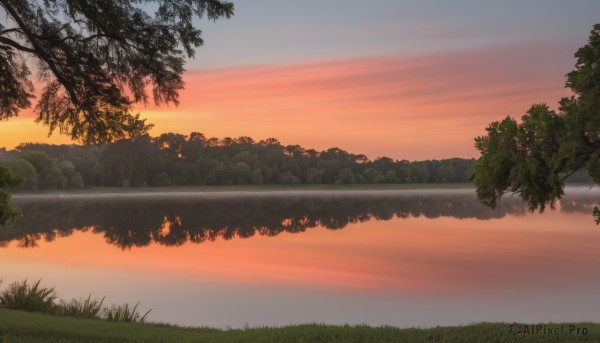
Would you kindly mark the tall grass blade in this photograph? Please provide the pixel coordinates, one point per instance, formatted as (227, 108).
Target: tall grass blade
(124, 313)
(25, 297)
(82, 308)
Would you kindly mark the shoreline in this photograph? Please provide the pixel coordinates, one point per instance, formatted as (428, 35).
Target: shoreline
(245, 190)
(273, 191)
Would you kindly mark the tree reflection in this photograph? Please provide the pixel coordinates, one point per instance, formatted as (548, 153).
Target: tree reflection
(136, 221)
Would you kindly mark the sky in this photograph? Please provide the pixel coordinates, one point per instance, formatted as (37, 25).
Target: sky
(409, 80)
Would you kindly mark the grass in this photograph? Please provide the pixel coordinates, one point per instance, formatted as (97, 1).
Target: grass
(26, 297)
(82, 308)
(18, 326)
(124, 313)
(80, 320)
(33, 298)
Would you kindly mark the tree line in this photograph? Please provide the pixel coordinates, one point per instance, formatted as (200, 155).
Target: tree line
(173, 159)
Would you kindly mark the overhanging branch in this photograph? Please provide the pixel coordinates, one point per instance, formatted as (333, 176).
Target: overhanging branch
(16, 45)
(14, 29)
(40, 51)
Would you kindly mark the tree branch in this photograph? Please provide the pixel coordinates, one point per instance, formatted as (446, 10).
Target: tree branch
(40, 51)
(16, 45)
(569, 174)
(44, 37)
(14, 29)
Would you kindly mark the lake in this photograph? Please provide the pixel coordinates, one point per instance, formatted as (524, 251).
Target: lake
(231, 259)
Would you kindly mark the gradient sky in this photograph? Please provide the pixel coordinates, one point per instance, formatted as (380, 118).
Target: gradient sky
(406, 79)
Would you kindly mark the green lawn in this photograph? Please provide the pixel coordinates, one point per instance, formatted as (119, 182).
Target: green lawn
(18, 326)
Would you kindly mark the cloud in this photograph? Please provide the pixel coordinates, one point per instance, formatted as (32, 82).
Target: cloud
(412, 107)
(402, 106)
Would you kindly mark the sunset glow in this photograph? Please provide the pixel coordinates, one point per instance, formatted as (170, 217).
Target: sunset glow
(400, 106)
(387, 256)
(409, 90)
(313, 173)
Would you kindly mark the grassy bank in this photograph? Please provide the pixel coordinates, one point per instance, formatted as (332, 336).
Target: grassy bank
(258, 188)
(18, 326)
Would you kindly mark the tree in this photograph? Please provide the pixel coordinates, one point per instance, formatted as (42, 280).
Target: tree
(8, 212)
(184, 173)
(391, 177)
(534, 157)
(346, 176)
(256, 178)
(97, 58)
(241, 172)
(373, 176)
(48, 171)
(24, 169)
(73, 177)
(194, 147)
(315, 175)
(129, 162)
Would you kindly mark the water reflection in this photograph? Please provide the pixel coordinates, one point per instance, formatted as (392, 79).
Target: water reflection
(173, 219)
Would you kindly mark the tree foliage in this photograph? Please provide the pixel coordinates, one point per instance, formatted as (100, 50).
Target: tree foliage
(26, 170)
(175, 159)
(8, 212)
(96, 58)
(533, 157)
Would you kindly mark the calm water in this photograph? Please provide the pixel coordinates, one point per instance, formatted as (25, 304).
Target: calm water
(402, 258)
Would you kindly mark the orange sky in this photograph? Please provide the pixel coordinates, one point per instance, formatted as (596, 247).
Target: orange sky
(405, 107)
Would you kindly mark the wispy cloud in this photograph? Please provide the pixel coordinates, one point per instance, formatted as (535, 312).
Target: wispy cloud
(402, 106)
(412, 107)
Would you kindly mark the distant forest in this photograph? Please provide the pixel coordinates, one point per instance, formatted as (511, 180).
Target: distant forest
(179, 160)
